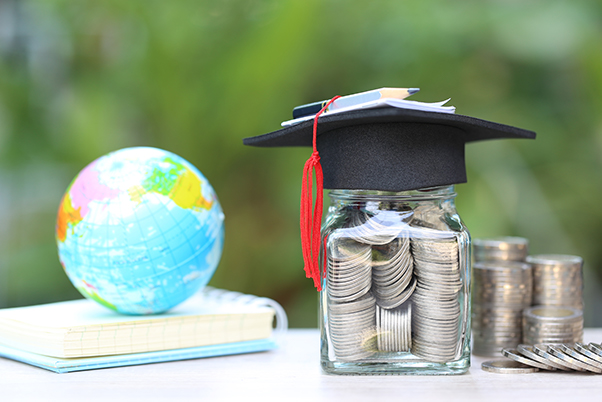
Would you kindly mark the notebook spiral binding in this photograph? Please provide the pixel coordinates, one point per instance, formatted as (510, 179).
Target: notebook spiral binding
(231, 296)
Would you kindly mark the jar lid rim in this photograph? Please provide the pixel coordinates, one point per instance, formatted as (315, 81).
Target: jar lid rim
(423, 193)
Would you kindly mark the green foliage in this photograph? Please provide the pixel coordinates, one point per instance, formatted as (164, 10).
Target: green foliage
(81, 79)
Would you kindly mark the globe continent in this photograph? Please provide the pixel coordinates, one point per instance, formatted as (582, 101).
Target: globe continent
(140, 230)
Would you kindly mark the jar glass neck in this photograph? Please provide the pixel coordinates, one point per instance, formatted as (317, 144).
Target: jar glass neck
(423, 194)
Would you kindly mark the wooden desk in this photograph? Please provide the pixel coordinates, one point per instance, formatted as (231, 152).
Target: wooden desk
(291, 373)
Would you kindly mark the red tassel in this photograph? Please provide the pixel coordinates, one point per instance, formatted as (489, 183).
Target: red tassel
(310, 224)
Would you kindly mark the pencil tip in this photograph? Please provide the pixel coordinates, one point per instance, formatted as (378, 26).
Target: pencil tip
(412, 91)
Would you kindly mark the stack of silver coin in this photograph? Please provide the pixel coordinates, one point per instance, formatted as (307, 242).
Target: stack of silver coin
(351, 327)
(500, 249)
(435, 308)
(557, 280)
(394, 328)
(351, 307)
(392, 269)
(552, 325)
(349, 270)
(501, 290)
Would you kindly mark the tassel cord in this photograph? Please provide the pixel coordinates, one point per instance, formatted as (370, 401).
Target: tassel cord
(310, 222)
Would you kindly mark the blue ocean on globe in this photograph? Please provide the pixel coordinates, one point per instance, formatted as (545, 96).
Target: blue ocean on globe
(140, 230)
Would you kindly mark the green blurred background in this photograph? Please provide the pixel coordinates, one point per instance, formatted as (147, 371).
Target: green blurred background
(79, 79)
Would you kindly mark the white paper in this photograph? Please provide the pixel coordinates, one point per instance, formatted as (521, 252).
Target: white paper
(437, 107)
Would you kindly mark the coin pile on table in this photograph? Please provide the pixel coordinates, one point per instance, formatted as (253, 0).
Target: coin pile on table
(500, 249)
(552, 325)
(501, 290)
(557, 280)
(436, 309)
(561, 357)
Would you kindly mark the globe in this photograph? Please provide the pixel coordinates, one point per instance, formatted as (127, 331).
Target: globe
(139, 230)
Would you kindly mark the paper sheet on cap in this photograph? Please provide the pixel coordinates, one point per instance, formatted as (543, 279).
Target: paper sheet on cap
(399, 103)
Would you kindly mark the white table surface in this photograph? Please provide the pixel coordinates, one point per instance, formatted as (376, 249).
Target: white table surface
(290, 373)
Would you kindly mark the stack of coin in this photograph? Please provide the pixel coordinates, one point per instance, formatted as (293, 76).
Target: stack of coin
(392, 268)
(436, 309)
(500, 249)
(552, 325)
(557, 280)
(501, 290)
(351, 326)
(394, 328)
(349, 269)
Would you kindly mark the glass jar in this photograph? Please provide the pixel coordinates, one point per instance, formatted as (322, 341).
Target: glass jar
(396, 283)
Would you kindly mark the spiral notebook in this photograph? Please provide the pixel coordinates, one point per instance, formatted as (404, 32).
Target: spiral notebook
(81, 335)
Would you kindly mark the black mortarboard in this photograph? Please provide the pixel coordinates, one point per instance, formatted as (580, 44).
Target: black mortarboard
(390, 149)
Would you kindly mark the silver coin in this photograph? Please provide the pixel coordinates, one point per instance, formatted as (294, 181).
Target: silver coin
(348, 269)
(354, 341)
(596, 348)
(507, 366)
(557, 280)
(516, 356)
(501, 290)
(584, 350)
(345, 287)
(384, 268)
(567, 349)
(551, 324)
(555, 260)
(555, 351)
(541, 350)
(527, 351)
(423, 302)
(365, 302)
(351, 319)
(375, 230)
(336, 280)
(398, 300)
(553, 313)
(501, 248)
(435, 315)
(403, 273)
(393, 327)
(344, 248)
(438, 332)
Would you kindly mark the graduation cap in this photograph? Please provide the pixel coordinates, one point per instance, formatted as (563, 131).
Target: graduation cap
(386, 149)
